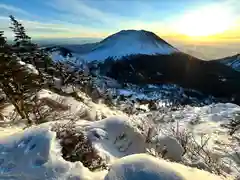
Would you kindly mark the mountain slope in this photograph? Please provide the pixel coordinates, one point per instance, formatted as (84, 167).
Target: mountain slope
(189, 72)
(129, 42)
(144, 58)
(232, 61)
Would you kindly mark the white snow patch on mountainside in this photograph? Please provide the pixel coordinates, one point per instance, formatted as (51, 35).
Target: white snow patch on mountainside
(233, 62)
(29, 67)
(129, 42)
(56, 56)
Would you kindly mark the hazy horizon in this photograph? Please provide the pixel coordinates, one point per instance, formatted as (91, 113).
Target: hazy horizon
(202, 51)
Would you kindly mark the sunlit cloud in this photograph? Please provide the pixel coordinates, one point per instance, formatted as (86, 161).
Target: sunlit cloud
(74, 9)
(46, 30)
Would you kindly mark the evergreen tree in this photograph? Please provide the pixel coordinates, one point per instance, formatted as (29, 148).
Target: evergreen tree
(21, 38)
(26, 50)
(16, 81)
(2, 40)
(6, 70)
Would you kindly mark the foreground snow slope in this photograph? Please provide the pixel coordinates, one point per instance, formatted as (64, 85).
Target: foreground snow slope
(116, 137)
(8, 131)
(146, 167)
(113, 137)
(205, 124)
(35, 154)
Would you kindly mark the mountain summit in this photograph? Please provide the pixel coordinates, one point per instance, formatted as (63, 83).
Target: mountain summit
(129, 42)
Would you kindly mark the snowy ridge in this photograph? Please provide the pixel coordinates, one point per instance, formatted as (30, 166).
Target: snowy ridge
(129, 42)
(233, 62)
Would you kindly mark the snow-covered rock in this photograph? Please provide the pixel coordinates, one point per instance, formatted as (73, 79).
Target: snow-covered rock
(64, 108)
(115, 137)
(35, 154)
(29, 67)
(173, 149)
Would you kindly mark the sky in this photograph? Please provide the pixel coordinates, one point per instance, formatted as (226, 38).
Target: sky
(208, 21)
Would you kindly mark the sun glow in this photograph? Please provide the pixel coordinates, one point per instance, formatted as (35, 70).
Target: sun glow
(207, 21)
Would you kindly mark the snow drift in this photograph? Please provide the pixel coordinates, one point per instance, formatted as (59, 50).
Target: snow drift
(145, 167)
(35, 154)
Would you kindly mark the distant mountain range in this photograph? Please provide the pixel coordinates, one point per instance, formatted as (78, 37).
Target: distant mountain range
(141, 57)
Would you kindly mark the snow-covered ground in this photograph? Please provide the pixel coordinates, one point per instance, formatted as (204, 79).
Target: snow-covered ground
(143, 167)
(205, 124)
(120, 139)
(29, 67)
(167, 94)
(57, 56)
(36, 154)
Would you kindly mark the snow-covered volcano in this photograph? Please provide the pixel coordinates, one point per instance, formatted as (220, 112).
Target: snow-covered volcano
(129, 42)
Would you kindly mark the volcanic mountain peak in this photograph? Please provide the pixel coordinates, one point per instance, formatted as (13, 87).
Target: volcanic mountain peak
(129, 42)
